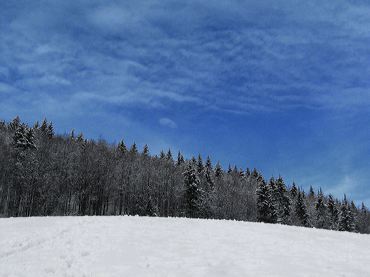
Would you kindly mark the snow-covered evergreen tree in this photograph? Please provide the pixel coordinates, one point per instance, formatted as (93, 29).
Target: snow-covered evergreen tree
(265, 209)
(180, 159)
(122, 147)
(346, 221)
(146, 151)
(192, 191)
(301, 210)
(218, 170)
(321, 213)
(281, 201)
(200, 166)
(332, 213)
(293, 191)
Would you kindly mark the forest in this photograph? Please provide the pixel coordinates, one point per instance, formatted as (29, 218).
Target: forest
(47, 174)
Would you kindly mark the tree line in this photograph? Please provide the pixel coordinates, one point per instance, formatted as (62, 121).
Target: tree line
(42, 174)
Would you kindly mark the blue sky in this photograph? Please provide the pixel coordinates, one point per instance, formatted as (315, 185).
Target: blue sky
(283, 86)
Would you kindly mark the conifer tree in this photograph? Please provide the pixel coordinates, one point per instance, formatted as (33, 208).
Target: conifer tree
(265, 208)
(320, 208)
(311, 193)
(16, 122)
(19, 138)
(218, 170)
(281, 201)
(169, 155)
(133, 149)
(208, 173)
(180, 159)
(293, 191)
(301, 211)
(333, 213)
(50, 131)
(192, 191)
(247, 173)
(346, 222)
(146, 151)
(44, 126)
(200, 164)
(122, 147)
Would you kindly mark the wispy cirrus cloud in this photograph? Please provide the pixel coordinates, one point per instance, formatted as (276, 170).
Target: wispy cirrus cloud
(167, 122)
(257, 52)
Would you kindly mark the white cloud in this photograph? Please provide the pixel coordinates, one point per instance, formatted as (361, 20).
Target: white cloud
(164, 121)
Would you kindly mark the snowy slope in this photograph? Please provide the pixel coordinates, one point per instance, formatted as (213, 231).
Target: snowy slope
(142, 246)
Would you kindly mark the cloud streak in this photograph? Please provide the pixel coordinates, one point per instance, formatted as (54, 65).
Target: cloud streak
(281, 57)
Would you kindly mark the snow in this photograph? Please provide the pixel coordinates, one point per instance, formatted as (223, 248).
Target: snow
(144, 246)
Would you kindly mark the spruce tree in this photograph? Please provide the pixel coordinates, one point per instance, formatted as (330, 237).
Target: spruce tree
(16, 122)
(247, 173)
(281, 201)
(218, 170)
(122, 147)
(169, 155)
(146, 151)
(200, 166)
(320, 208)
(180, 159)
(192, 191)
(301, 210)
(50, 131)
(333, 213)
(133, 149)
(346, 222)
(265, 208)
(293, 191)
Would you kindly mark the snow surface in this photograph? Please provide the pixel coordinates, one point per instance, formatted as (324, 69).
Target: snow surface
(143, 246)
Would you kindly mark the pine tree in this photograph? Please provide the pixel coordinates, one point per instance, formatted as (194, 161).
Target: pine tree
(23, 138)
(218, 170)
(320, 208)
(311, 193)
(247, 173)
(180, 159)
(44, 126)
(281, 201)
(208, 174)
(333, 213)
(346, 222)
(169, 155)
(293, 191)
(15, 124)
(30, 139)
(146, 151)
(50, 131)
(122, 147)
(265, 208)
(301, 211)
(133, 149)
(192, 191)
(19, 138)
(363, 219)
(200, 164)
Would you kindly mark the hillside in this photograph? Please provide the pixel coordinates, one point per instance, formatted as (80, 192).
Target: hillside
(149, 246)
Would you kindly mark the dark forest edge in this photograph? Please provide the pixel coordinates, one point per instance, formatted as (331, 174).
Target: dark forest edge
(43, 174)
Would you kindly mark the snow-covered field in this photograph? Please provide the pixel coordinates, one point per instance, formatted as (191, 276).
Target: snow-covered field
(143, 246)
